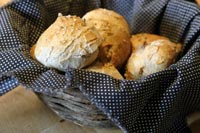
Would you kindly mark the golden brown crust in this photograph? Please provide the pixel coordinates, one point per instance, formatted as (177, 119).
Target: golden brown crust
(140, 40)
(151, 53)
(68, 42)
(107, 69)
(198, 2)
(114, 29)
(32, 50)
(115, 49)
(109, 18)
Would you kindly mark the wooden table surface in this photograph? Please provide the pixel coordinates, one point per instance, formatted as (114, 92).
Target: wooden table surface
(21, 111)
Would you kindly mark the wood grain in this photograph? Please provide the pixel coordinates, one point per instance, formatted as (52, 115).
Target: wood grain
(73, 105)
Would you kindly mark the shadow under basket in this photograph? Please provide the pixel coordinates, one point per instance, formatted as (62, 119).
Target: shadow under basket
(72, 105)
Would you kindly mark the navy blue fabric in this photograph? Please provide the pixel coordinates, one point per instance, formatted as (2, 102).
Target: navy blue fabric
(159, 102)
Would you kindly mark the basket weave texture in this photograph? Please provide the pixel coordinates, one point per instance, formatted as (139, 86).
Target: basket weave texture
(159, 102)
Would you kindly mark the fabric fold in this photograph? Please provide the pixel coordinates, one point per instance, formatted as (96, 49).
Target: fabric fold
(159, 102)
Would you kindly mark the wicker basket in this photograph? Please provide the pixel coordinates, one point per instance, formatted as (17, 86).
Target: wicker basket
(74, 106)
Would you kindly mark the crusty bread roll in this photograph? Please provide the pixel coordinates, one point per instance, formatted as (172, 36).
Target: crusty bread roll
(111, 18)
(113, 28)
(32, 52)
(68, 42)
(108, 69)
(198, 2)
(151, 53)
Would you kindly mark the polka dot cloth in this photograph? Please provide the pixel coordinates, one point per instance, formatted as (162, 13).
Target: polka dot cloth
(157, 103)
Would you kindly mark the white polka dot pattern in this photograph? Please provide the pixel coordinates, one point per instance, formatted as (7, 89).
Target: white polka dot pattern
(6, 84)
(157, 103)
(142, 15)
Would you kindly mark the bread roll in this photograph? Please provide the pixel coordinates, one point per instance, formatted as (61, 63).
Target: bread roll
(151, 53)
(113, 28)
(109, 17)
(198, 2)
(68, 42)
(107, 69)
(32, 51)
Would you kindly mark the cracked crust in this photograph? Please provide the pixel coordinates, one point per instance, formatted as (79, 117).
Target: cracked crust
(115, 31)
(68, 42)
(151, 53)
